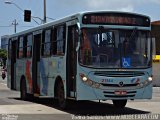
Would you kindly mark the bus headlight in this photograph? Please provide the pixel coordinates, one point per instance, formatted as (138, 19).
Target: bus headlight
(150, 79)
(84, 78)
(89, 82)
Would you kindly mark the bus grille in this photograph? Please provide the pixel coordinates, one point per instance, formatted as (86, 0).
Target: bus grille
(117, 85)
(119, 73)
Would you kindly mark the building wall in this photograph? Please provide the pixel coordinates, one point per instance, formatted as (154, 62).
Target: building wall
(156, 64)
(156, 33)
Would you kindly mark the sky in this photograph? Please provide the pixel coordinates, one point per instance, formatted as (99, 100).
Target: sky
(56, 9)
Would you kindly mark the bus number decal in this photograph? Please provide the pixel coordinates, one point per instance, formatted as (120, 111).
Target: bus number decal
(107, 80)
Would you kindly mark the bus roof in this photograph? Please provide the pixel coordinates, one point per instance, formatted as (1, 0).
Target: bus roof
(67, 18)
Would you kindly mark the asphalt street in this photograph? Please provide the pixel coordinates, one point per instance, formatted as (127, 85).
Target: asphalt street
(12, 107)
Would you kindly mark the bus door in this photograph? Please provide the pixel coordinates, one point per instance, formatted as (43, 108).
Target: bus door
(71, 65)
(13, 63)
(35, 62)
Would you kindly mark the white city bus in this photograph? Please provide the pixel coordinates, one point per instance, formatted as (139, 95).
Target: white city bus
(87, 56)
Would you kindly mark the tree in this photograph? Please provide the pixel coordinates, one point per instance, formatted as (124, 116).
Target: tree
(3, 55)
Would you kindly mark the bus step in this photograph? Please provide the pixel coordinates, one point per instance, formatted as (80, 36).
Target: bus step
(36, 94)
(71, 98)
(45, 97)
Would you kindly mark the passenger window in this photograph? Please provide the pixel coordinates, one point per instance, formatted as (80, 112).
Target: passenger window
(9, 48)
(46, 43)
(21, 47)
(54, 42)
(25, 47)
(29, 46)
(58, 40)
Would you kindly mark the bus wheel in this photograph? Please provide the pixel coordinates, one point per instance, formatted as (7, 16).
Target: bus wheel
(119, 103)
(23, 90)
(61, 96)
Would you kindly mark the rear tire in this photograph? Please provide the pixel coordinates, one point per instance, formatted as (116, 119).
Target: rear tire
(23, 90)
(119, 103)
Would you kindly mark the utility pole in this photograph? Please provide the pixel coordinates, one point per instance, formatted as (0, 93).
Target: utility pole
(15, 25)
(45, 18)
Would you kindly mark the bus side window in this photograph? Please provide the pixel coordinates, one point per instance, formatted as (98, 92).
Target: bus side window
(18, 47)
(29, 46)
(9, 49)
(54, 42)
(42, 45)
(21, 47)
(25, 47)
(61, 37)
(47, 44)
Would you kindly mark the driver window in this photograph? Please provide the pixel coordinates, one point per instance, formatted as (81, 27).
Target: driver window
(106, 43)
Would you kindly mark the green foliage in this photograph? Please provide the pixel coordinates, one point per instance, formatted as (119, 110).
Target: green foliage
(3, 55)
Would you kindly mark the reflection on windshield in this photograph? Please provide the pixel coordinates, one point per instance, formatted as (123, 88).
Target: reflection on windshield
(115, 49)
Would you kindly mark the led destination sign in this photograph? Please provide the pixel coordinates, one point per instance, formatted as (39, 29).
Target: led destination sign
(116, 19)
(112, 19)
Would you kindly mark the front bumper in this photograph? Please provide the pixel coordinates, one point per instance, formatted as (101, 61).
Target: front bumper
(89, 93)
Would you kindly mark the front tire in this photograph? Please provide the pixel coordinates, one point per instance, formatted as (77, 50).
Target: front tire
(119, 103)
(62, 102)
(23, 90)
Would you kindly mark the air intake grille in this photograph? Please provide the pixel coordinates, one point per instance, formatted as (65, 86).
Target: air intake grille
(117, 85)
(119, 73)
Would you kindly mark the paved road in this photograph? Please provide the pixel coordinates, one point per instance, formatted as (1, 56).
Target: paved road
(44, 109)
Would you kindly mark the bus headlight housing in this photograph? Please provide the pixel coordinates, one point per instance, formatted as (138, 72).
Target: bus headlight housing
(89, 82)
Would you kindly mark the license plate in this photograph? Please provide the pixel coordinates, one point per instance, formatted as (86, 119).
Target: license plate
(120, 92)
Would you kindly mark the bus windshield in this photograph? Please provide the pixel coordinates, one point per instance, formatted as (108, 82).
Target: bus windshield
(104, 48)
